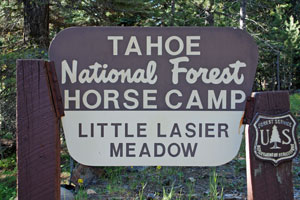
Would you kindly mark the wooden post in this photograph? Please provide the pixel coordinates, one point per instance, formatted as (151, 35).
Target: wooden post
(265, 181)
(39, 109)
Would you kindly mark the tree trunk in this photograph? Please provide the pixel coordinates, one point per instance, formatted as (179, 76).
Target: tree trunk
(277, 69)
(36, 22)
(290, 81)
(209, 12)
(243, 14)
(173, 12)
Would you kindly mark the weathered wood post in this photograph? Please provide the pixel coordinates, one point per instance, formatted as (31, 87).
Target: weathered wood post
(270, 146)
(39, 109)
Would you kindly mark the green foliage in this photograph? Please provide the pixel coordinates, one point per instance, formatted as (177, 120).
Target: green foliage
(8, 187)
(8, 163)
(240, 165)
(168, 196)
(295, 103)
(81, 194)
(191, 188)
(141, 192)
(99, 13)
(214, 192)
(11, 20)
(8, 178)
(295, 108)
(113, 172)
(8, 85)
(274, 26)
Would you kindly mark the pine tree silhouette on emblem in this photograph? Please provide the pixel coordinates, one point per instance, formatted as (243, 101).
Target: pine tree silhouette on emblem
(275, 138)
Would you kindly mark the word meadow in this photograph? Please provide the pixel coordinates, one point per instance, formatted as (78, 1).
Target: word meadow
(154, 96)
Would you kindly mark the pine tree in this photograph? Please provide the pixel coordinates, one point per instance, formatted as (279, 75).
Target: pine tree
(275, 138)
(36, 22)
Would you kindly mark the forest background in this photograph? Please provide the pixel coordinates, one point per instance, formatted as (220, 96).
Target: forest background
(28, 26)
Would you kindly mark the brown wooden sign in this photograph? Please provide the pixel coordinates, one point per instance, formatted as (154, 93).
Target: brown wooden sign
(154, 96)
(275, 137)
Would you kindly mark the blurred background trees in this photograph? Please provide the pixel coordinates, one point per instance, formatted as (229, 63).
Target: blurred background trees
(28, 26)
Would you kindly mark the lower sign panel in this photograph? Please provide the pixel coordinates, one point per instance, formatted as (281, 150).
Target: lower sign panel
(149, 138)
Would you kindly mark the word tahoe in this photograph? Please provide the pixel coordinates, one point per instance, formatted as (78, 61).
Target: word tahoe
(159, 43)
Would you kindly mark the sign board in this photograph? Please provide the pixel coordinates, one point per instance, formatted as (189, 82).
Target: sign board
(275, 138)
(154, 96)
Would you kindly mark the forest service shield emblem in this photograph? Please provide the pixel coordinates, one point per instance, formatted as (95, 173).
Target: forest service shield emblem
(275, 138)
